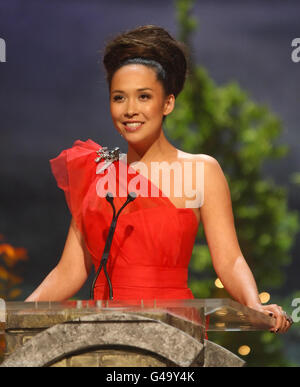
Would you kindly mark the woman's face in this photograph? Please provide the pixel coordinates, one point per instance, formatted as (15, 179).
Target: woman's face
(138, 102)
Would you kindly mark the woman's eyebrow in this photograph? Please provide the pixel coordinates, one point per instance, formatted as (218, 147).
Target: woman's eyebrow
(144, 88)
(122, 91)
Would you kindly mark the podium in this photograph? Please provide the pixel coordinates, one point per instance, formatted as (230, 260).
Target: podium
(143, 333)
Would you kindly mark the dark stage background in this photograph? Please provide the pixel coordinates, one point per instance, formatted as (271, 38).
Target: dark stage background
(52, 92)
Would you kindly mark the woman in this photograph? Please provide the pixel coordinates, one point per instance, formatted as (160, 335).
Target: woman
(154, 237)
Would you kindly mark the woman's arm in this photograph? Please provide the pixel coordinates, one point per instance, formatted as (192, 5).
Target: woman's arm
(227, 258)
(70, 273)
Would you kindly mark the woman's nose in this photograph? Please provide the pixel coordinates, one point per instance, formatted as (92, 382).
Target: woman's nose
(131, 108)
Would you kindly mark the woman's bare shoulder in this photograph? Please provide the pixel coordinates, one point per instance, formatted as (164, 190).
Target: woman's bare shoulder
(210, 166)
(207, 159)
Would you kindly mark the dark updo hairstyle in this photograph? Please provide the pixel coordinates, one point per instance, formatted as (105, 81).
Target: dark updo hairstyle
(151, 46)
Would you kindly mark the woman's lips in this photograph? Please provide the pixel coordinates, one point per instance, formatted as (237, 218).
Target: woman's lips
(133, 126)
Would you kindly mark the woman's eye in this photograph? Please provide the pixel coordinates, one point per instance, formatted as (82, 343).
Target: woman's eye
(145, 96)
(117, 98)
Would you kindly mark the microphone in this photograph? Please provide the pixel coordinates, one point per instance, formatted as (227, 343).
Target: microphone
(110, 198)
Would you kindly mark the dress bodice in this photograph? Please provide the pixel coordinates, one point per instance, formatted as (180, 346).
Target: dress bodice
(153, 239)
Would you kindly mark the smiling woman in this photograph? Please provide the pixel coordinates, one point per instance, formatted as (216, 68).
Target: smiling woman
(138, 102)
(146, 70)
(154, 238)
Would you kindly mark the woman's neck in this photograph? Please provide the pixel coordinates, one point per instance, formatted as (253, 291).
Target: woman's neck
(158, 150)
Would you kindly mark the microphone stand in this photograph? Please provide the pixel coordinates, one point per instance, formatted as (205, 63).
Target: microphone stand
(109, 197)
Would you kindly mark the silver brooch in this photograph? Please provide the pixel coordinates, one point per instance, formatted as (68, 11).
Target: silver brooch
(109, 156)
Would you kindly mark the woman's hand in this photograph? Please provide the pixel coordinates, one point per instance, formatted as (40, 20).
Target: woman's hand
(282, 320)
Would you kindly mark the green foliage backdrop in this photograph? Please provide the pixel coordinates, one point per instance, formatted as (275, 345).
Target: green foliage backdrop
(224, 122)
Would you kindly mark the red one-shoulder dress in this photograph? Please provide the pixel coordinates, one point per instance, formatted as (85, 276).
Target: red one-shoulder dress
(153, 239)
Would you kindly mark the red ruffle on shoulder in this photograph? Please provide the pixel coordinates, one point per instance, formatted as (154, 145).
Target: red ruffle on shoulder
(74, 170)
(153, 240)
